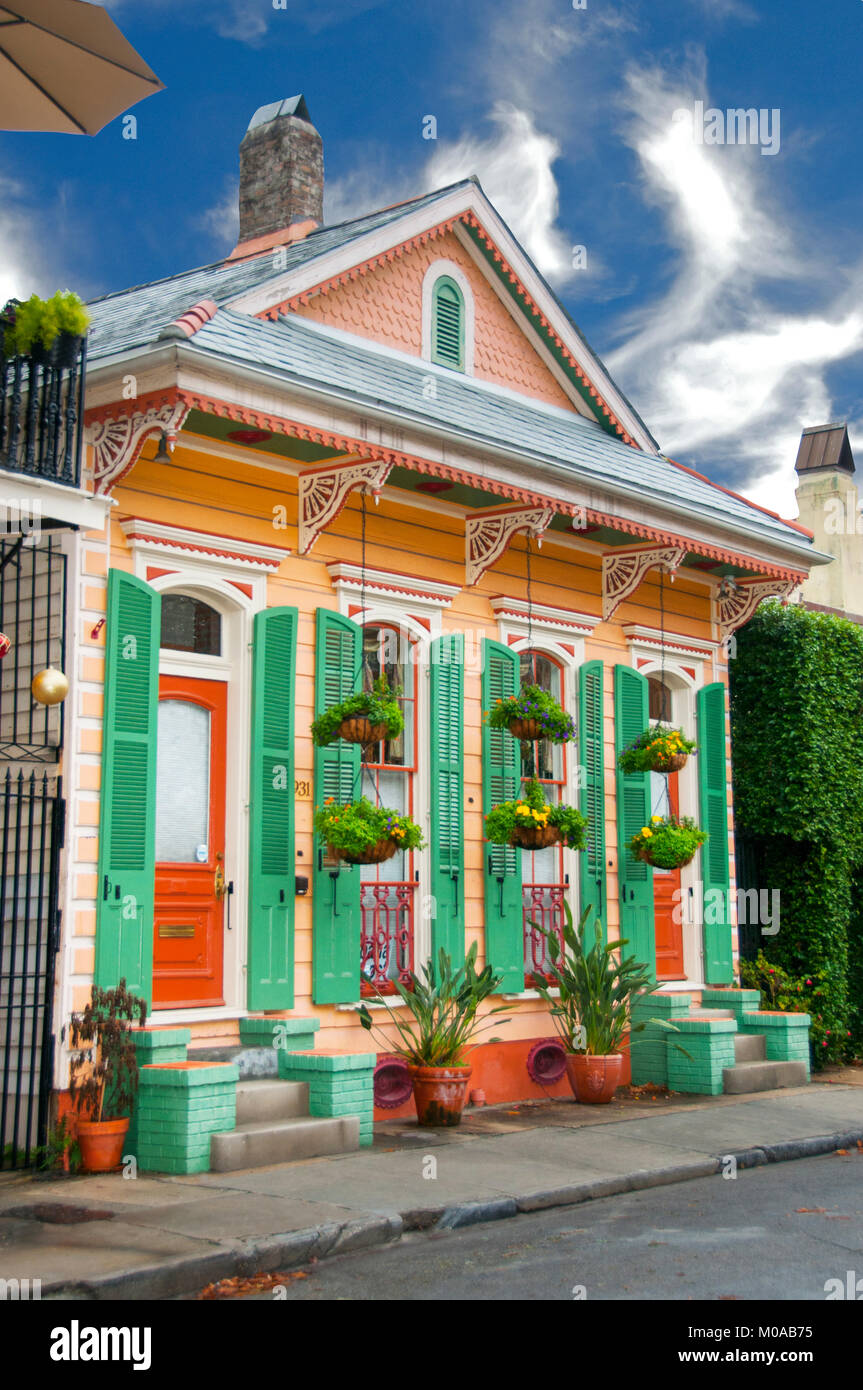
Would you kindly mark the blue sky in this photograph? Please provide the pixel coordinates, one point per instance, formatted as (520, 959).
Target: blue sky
(723, 286)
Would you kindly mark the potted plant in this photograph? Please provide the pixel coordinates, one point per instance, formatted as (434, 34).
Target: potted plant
(49, 330)
(104, 1075)
(361, 833)
(442, 1005)
(657, 750)
(532, 714)
(667, 842)
(366, 717)
(592, 1011)
(7, 328)
(531, 822)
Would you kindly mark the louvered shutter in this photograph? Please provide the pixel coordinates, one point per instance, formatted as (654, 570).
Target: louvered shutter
(127, 826)
(718, 968)
(271, 812)
(336, 886)
(591, 758)
(448, 324)
(501, 780)
(635, 878)
(446, 740)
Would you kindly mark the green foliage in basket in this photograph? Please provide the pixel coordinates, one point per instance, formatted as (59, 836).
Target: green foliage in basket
(356, 825)
(379, 705)
(531, 811)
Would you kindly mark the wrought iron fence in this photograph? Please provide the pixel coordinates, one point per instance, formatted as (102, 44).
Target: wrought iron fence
(41, 417)
(32, 615)
(387, 936)
(542, 907)
(31, 836)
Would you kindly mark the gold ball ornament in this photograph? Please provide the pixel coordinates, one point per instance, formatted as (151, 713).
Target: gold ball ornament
(49, 687)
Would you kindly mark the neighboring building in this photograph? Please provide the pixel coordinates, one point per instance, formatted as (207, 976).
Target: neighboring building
(346, 448)
(829, 507)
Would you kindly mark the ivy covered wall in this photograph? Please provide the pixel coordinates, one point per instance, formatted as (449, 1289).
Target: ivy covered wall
(797, 759)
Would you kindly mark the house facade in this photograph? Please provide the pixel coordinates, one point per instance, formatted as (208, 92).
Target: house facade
(380, 447)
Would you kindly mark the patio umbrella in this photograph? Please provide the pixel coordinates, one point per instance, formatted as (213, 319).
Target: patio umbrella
(65, 66)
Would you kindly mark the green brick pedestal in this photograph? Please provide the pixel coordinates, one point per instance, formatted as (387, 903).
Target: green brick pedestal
(180, 1104)
(648, 1052)
(285, 1034)
(786, 1035)
(153, 1046)
(740, 1001)
(340, 1083)
(710, 1044)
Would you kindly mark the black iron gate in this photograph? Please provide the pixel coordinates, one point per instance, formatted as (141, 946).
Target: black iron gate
(31, 837)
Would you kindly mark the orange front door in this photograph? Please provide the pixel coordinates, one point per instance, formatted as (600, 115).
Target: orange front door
(667, 906)
(190, 843)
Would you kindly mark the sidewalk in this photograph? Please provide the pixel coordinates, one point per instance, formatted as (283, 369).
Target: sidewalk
(156, 1237)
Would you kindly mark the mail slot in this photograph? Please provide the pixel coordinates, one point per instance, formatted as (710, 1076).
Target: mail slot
(176, 931)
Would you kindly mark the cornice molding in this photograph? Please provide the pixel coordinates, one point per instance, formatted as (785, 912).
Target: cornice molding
(411, 587)
(159, 537)
(543, 616)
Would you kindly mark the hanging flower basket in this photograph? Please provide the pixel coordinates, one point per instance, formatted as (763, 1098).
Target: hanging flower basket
(533, 714)
(657, 750)
(358, 729)
(536, 837)
(359, 832)
(366, 717)
(530, 822)
(668, 842)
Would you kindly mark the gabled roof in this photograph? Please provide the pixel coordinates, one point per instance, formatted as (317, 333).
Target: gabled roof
(133, 318)
(264, 285)
(305, 353)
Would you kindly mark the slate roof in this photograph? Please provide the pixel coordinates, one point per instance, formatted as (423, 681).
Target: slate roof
(301, 351)
(134, 318)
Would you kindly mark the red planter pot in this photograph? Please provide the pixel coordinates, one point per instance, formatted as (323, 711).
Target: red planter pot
(440, 1093)
(594, 1080)
(101, 1143)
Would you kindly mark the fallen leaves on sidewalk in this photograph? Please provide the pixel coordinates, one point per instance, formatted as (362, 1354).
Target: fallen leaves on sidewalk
(255, 1283)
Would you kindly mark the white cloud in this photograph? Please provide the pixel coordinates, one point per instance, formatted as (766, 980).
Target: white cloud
(22, 270)
(715, 368)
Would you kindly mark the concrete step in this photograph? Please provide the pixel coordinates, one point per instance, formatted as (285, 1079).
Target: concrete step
(271, 1100)
(710, 1013)
(750, 1047)
(259, 1144)
(253, 1062)
(746, 1077)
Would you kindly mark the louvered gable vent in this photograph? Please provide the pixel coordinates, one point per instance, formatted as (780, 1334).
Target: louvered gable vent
(448, 324)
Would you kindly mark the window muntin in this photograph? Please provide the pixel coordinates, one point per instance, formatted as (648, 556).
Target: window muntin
(543, 878)
(388, 889)
(190, 625)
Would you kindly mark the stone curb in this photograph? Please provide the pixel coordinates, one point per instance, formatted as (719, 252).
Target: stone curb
(267, 1254)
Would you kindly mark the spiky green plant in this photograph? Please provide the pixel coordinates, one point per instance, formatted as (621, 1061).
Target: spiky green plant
(443, 1003)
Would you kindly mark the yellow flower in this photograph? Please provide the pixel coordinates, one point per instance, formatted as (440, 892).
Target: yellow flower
(645, 830)
(654, 819)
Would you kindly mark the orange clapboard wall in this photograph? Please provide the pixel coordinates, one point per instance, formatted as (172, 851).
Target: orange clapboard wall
(234, 496)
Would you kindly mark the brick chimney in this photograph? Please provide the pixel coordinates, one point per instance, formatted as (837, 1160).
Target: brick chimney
(281, 171)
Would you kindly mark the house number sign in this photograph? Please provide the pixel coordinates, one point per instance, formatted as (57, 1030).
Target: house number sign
(302, 790)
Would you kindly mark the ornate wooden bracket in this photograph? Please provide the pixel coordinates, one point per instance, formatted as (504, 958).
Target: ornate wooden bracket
(117, 440)
(737, 607)
(489, 533)
(324, 491)
(623, 571)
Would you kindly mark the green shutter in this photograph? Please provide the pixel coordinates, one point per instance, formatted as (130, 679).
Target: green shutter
(446, 755)
(127, 827)
(336, 886)
(714, 819)
(447, 324)
(501, 780)
(591, 797)
(271, 812)
(635, 878)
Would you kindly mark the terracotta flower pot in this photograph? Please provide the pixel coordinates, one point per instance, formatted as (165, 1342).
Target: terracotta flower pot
(439, 1093)
(594, 1080)
(358, 729)
(535, 837)
(375, 854)
(101, 1143)
(525, 729)
(671, 764)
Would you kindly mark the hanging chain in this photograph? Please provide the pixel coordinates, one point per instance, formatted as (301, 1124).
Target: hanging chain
(662, 684)
(530, 651)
